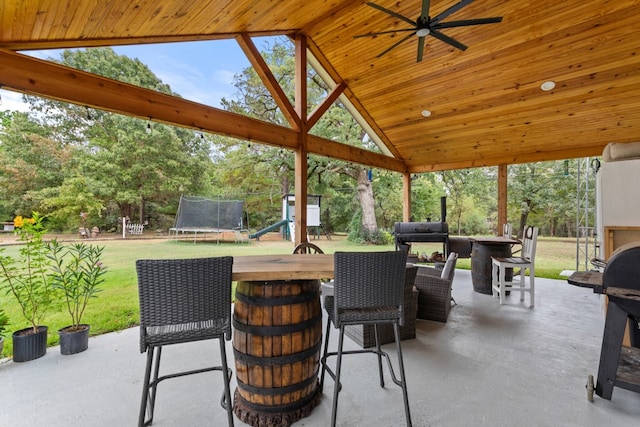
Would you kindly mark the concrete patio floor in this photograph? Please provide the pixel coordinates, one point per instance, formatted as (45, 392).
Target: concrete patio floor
(489, 365)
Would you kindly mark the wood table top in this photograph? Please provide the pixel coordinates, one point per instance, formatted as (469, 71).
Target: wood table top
(282, 267)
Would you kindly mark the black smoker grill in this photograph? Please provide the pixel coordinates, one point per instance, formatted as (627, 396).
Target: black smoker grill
(619, 365)
(408, 232)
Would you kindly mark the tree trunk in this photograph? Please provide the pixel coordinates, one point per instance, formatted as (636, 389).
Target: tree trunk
(524, 217)
(141, 211)
(367, 201)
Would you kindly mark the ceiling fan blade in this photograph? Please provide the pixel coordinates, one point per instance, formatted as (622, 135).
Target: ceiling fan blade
(420, 48)
(392, 13)
(396, 44)
(456, 7)
(426, 5)
(383, 32)
(466, 22)
(437, 34)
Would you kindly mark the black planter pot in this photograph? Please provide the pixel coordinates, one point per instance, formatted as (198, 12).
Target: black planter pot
(29, 346)
(74, 341)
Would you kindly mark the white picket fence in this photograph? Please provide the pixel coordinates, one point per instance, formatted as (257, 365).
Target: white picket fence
(132, 229)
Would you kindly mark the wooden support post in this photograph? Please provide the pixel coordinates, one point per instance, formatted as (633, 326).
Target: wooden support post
(301, 152)
(406, 197)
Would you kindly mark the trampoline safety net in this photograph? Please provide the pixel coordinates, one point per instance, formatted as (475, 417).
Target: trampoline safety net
(202, 214)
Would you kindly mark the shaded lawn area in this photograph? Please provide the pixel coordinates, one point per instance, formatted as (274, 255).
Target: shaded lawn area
(116, 306)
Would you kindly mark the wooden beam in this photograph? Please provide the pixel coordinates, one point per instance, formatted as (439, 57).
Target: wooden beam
(349, 153)
(37, 77)
(20, 45)
(269, 80)
(539, 156)
(326, 104)
(42, 78)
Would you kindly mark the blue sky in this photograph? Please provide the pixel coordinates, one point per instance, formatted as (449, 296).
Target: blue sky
(199, 71)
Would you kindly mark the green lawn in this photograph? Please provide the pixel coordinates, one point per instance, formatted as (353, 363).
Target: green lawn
(116, 307)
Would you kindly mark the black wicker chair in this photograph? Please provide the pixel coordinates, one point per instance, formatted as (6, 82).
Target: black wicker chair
(369, 289)
(434, 290)
(364, 335)
(183, 300)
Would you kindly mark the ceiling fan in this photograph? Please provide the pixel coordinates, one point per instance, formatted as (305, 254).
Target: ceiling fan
(428, 26)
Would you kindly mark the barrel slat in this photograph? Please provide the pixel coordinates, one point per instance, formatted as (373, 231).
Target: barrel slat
(260, 384)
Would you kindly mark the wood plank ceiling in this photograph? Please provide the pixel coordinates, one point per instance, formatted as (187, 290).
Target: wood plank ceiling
(486, 102)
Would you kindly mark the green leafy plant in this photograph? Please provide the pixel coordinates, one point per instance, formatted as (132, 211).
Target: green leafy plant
(4, 320)
(27, 276)
(78, 272)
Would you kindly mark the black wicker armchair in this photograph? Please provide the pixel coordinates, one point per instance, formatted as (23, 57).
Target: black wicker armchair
(434, 290)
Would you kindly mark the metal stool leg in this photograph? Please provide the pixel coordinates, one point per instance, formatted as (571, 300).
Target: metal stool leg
(323, 361)
(396, 331)
(145, 388)
(379, 352)
(336, 387)
(227, 402)
(150, 385)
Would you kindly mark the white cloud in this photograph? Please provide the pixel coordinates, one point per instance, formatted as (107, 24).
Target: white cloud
(12, 101)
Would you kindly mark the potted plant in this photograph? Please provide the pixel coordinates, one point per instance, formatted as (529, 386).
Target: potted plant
(77, 272)
(27, 279)
(4, 320)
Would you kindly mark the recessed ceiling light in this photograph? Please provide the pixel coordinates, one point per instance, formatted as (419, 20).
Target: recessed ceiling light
(426, 113)
(548, 85)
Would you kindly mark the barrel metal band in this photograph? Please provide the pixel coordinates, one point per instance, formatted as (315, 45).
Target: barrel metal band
(273, 330)
(278, 390)
(275, 301)
(277, 360)
(281, 408)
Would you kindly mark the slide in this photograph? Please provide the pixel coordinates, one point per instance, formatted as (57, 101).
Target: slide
(272, 227)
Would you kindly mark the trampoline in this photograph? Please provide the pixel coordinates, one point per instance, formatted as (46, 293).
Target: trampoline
(200, 215)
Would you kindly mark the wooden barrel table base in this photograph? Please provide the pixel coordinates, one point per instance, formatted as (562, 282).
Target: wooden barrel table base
(481, 274)
(277, 339)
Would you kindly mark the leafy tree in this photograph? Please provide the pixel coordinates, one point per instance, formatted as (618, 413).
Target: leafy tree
(31, 161)
(125, 160)
(467, 192)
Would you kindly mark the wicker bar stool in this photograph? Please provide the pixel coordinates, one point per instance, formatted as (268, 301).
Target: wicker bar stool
(183, 300)
(368, 290)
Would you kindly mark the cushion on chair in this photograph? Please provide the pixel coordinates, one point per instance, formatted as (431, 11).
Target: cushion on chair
(446, 271)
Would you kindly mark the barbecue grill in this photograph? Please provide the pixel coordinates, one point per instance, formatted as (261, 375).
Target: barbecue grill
(619, 364)
(408, 232)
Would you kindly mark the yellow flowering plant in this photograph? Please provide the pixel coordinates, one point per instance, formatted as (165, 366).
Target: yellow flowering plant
(27, 276)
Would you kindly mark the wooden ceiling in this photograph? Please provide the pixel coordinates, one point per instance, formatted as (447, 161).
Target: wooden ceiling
(486, 102)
